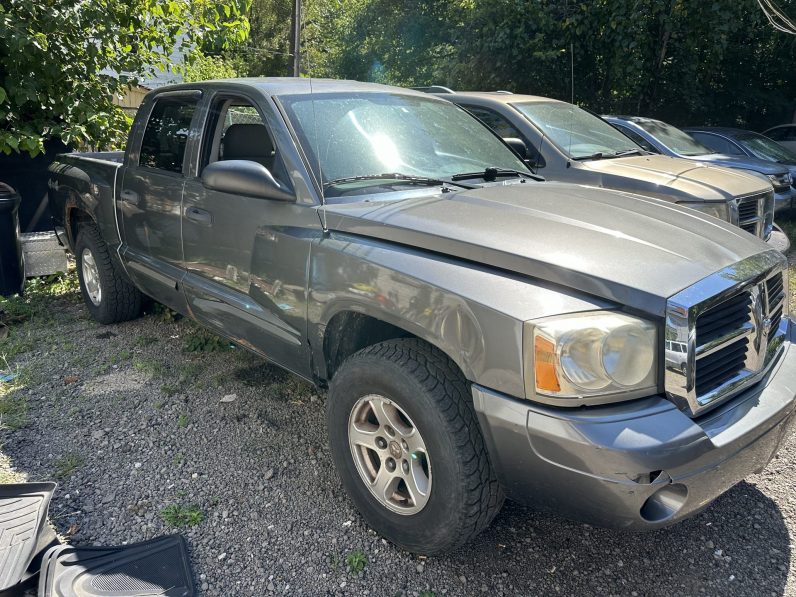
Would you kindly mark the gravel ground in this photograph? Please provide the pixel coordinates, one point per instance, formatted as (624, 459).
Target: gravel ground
(150, 430)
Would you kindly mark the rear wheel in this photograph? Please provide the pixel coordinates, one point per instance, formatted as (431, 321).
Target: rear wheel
(407, 446)
(107, 291)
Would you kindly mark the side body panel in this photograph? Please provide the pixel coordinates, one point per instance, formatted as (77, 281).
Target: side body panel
(86, 183)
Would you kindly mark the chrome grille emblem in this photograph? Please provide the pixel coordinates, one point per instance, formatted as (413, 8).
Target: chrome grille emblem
(729, 328)
(760, 321)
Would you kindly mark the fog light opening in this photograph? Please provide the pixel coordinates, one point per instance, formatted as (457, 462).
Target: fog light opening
(664, 503)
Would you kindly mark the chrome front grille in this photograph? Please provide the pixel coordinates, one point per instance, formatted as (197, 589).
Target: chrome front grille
(733, 324)
(752, 211)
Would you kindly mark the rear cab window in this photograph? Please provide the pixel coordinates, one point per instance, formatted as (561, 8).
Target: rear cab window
(166, 134)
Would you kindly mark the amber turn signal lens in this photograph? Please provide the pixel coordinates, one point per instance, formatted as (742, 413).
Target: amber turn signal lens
(545, 365)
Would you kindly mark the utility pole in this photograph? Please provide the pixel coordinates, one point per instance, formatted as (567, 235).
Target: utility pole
(295, 39)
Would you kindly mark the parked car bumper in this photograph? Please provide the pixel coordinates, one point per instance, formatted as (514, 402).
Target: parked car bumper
(778, 240)
(638, 465)
(784, 200)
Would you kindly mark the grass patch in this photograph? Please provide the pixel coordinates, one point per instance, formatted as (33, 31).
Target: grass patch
(179, 516)
(150, 367)
(203, 341)
(356, 561)
(66, 465)
(144, 341)
(13, 404)
(164, 314)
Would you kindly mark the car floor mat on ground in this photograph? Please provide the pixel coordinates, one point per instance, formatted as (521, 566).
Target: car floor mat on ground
(23, 512)
(156, 567)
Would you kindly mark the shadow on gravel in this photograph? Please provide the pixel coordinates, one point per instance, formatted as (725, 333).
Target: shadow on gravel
(740, 546)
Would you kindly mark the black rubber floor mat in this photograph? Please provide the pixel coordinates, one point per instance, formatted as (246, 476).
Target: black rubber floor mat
(156, 567)
(23, 512)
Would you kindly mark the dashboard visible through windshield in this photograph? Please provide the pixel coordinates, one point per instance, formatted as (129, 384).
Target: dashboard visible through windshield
(576, 132)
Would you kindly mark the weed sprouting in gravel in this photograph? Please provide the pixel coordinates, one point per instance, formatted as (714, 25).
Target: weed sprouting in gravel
(177, 515)
(356, 561)
(203, 341)
(164, 314)
(66, 465)
(169, 390)
(178, 459)
(426, 594)
(144, 341)
(150, 367)
(182, 421)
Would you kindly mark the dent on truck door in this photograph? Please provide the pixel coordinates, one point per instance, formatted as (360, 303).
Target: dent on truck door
(150, 200)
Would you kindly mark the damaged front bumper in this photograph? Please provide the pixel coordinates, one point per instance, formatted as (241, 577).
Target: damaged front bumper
(637, 465)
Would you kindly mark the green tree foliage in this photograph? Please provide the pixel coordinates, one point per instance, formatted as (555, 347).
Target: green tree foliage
(202, 67)
(713, 61)
(62, 61)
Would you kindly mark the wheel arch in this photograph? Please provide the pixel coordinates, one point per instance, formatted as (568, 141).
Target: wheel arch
(350, 329)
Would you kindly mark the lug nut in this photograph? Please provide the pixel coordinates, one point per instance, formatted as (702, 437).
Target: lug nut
(390, 431)
(404, 445)
(405, 466)
(390, 464)
(381, 443)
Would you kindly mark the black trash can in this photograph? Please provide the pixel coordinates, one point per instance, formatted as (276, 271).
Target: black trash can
(12, 265)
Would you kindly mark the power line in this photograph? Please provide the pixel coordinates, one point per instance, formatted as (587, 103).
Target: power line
(778, 19)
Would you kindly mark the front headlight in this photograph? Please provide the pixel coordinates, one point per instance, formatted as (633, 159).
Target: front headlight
(780, 180)
(590, 356)
(719, 209)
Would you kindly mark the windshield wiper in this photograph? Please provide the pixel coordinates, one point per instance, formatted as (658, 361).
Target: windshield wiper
(625, 152)
(394, 176)
(594, 156)
(490, 174)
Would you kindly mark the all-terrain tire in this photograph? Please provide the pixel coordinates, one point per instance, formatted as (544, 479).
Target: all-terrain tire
(464, 493)
(118, 300)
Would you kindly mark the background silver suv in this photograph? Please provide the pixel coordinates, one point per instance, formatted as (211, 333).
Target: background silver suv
(569, 144)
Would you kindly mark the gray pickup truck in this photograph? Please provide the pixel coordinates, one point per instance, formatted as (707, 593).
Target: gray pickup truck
(609, 357)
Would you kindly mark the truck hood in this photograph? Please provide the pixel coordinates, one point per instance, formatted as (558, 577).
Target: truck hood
(667, 176)
(633, 250)
(733, 161)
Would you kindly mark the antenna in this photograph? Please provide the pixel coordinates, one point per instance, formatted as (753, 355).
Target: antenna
(571, 94)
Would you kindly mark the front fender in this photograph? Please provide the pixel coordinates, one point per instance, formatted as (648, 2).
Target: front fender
(473, 314)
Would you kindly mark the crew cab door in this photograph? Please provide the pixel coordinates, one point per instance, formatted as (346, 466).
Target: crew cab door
(246, 257)
(150, 197)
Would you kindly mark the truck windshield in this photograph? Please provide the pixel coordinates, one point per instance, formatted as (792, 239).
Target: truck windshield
(676, 140)
(576, 132)
(765, 149)
(358, 140)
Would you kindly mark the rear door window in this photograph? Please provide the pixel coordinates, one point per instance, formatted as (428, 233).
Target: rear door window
(166, 134)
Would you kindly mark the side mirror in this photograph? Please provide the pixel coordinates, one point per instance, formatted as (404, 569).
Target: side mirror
(518, 145)
(244, 177)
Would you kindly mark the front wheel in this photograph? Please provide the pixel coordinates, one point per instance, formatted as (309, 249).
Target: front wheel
(109, 295)
(407, 446)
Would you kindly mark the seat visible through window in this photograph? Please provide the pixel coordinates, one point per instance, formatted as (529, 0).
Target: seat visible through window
(248, 142)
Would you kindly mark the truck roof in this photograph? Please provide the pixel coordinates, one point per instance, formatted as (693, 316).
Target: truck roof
(292, 85)
(499, 96)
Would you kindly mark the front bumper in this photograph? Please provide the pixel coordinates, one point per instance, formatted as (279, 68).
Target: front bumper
(638, 465)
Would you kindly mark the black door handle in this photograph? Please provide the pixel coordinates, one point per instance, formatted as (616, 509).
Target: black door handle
(130, 197)
(200, 216)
